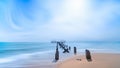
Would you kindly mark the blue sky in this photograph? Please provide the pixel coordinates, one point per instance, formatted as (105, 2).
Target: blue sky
(45, 20)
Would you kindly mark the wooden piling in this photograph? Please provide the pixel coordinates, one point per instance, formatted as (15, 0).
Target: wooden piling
(69, 48)
(57, 54)
(88, 55)
(75, 50)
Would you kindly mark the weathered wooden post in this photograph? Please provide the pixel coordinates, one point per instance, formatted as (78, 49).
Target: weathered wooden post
(88, 55)
(57, 54)
(69, 48)
(75, 50)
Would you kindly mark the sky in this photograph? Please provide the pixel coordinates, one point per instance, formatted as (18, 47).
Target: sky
(46, 20)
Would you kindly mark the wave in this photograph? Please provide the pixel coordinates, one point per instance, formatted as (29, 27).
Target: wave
(21, 56)
(23, 49)
(42, 53)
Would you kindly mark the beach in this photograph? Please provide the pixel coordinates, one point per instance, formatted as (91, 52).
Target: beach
(99, 60)
(42, 55)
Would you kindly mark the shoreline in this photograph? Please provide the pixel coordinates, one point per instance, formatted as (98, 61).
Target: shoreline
(73, 61)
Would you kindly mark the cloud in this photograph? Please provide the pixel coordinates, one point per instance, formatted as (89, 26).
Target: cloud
(35, 20)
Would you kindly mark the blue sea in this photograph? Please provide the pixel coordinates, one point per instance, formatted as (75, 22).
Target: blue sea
(17, 54)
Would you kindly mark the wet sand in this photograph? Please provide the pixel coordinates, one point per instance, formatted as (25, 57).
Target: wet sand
(99, 60)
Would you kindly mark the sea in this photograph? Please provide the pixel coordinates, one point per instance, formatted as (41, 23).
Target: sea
(19, 54)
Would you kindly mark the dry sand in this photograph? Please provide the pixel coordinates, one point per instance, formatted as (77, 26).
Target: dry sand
(98, 61)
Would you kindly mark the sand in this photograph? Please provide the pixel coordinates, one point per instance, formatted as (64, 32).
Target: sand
(99, 60)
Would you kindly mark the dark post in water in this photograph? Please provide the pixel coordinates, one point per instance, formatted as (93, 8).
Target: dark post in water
(57, 54)
(69, 48)
(88, 55)
(75, 50)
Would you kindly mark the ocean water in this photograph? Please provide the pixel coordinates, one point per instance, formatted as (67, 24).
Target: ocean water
(17, 54)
